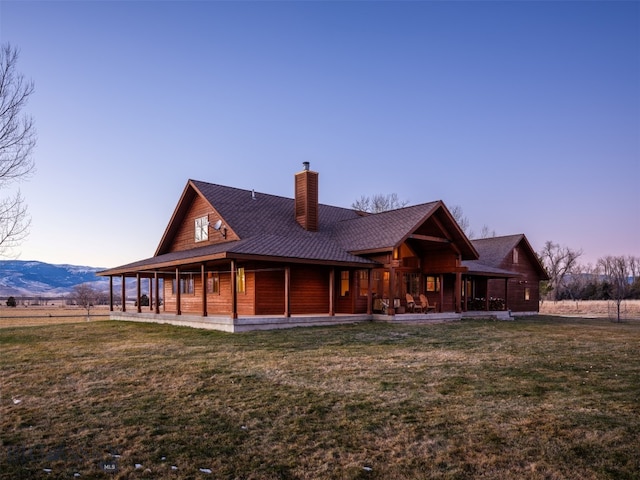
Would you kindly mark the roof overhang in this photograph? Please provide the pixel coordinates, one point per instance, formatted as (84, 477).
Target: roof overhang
(187, 259)
(476, 268)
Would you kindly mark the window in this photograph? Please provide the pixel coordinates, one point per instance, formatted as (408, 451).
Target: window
(527, 293)
(515, 255)
(412, 283)
(202, 229)
(213, 282)
(363, 277)
(469, 290)
(241, 281)
(433, 284)
(385, 284)
(344, 283)
(186, 285)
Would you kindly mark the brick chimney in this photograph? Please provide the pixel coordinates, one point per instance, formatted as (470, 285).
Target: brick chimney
(306, 201)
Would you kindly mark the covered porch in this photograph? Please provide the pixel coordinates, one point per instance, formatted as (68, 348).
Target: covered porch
(486, 289)
(242, 288)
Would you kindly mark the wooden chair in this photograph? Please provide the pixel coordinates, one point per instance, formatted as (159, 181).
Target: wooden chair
(424, 303)
(384, 303)
(411, 302)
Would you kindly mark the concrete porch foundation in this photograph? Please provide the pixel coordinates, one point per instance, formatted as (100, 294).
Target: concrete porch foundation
(245, 324)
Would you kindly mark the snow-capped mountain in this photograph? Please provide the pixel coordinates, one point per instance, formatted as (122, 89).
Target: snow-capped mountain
(32, 278)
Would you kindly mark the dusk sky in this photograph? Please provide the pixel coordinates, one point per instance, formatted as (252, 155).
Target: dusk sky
(526, 114)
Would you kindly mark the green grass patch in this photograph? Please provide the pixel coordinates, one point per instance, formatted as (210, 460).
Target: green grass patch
(537, 398)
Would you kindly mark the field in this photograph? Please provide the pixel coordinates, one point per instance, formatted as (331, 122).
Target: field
(36, 315)
(629, 309)
(535, 398)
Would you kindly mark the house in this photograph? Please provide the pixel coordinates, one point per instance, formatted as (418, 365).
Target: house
(506, 275)
(234, 260)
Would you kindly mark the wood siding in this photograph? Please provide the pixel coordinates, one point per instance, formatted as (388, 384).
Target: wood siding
(309, 290)
(185, 235)
(246, 301)
(516, 287)
(448, 294)
(270, 292)
(439, 260)
(217, 303)
(220, 303)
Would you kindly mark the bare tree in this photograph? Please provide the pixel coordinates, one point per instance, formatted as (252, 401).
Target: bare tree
(462, 220)
(378, 203)
(620, 274)
(85, 296)
(17, 141)
(634, 267)
(486, 232)
(559, 262)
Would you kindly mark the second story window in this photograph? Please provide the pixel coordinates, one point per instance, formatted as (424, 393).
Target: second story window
(515, 255)
(202, 229)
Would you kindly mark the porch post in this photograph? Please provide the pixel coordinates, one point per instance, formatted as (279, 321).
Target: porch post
(155, 280)
(111, 293)
(370, 291)
(392, 291)
(178, 310)
(287, 291)
(139, 307)
(457, 292)
(466, 293)
(332, 291)
(203, 278)
(150, 294)
(506, 293)
(234, 291)
(124, 293)
(441, 278)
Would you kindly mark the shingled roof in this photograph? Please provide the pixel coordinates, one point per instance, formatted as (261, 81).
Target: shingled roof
(267, 227)
(494, 251)
(252, 213)
(382, 230)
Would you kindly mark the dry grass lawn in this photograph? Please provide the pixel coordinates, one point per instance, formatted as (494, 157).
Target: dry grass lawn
(629, 309)
(536, 398)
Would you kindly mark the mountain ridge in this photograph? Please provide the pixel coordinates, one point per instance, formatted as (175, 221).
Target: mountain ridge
(28, 278)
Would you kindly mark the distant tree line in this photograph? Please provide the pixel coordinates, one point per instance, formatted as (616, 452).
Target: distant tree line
(615, 278)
